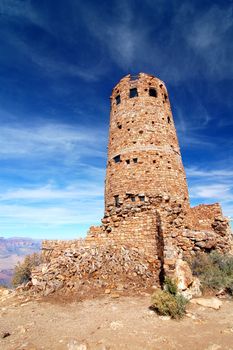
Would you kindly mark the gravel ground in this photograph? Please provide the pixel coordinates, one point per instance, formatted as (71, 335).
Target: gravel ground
(107, 323)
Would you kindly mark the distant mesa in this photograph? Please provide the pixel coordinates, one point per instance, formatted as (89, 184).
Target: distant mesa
(12, 250)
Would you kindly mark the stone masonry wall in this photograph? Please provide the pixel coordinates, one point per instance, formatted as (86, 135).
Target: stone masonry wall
(143, 151)
(203, 216)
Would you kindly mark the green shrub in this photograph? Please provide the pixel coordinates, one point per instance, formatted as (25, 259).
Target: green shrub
(170, 286)
(22, 271)
(214, 270)
(167, 304)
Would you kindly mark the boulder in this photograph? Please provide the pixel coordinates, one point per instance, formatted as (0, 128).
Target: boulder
(213, 303)
(194, 289)
(183, 275)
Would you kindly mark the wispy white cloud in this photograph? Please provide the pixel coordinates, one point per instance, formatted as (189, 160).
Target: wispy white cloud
(118, 34)
(47, 139)
(59, 186)
(209, 28)
(213, 191)
(208, 185)
(52, 64)
(195, 42)
(51, 216)
(41, 55)
(23, 10)
(82, 190)
(208, 34)
(208, 173)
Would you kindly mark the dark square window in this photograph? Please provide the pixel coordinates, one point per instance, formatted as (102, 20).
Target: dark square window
(127, 161)
(135, 160)
(133, 199)
(118, 99)
(117, 159)
(152, 92)
(133, 92)
(142, 198)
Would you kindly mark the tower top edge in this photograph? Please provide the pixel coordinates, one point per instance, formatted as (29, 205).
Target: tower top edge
(131, 78)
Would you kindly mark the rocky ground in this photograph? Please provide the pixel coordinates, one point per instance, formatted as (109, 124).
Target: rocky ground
(109, 322)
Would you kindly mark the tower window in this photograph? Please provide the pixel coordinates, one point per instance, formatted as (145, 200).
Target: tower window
(142, 198)
(116, 198)
(168, 120)
(135, 160)
(133, 92)
(152, 92)
(119, 126)
(132, 198)
(117, 159)
(118, 99)
(127, 161)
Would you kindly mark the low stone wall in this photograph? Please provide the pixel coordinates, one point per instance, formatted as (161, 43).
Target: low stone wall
(133, 249)
(89, 268)
(203, 216)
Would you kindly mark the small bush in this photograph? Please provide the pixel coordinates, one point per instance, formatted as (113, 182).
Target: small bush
(22, 271)
(167, 304)
(214, 270)
(170, 286)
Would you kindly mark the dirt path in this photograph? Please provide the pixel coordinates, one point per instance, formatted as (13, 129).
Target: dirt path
(106, 323)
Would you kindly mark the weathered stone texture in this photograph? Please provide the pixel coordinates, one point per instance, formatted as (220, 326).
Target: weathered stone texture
(147, 211)
(143, 134)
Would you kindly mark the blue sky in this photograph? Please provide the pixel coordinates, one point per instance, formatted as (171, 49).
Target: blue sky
(58, 63)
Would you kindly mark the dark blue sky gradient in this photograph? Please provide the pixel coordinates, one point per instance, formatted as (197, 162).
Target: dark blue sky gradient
(58, 63)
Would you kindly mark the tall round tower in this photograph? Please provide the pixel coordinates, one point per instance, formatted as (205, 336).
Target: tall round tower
(144, 158)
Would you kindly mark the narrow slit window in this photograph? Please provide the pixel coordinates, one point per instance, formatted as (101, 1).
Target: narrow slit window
(116, 198)
(152, 92)
(117, 159)
(168, 120)
(133, 92)
(135, 160)
(118, 99)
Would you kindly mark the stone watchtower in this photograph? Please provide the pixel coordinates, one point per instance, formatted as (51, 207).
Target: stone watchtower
(146, 193)
(148, 225)
(143, 152)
